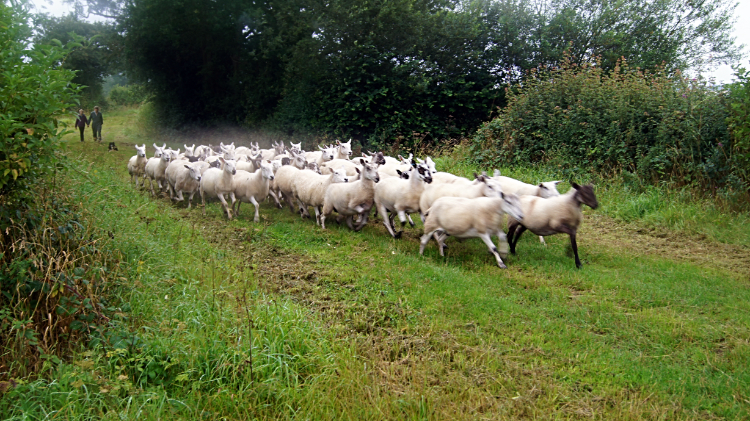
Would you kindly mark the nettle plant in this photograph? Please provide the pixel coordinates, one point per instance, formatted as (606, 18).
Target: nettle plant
(35, 90)
(581, 118)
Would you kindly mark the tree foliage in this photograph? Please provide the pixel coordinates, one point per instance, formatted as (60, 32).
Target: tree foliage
(387, 71)
(92, 60)
(35, 88)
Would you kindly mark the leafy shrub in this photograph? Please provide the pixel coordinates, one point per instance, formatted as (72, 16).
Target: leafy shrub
(128, 95)
(34, 88)
(580, 118)
(739, 123)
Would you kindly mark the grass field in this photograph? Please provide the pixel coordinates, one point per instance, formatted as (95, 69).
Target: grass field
(283, 320)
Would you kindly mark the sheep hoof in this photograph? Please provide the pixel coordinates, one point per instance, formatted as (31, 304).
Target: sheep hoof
(397, 236)
(502, 266)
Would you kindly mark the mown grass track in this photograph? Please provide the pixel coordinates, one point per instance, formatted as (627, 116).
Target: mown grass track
(655, 326)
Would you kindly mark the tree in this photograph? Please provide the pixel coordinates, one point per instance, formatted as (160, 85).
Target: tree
(648, 33)
(92, 60)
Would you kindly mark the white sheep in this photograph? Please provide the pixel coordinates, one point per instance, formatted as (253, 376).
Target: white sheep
(401, 196)
(554, 215)
(323, 155)
(309, 188)
(343, 150)
(189, 150)
(137, 164)
(158, 150)
(217, 182)
(349, 199)
(184, 178)
(543, 190)
(484, 186)
(252, 187)
(350, 167)
(442, 177)
(155, 168)
(283, 184)
(469, 218)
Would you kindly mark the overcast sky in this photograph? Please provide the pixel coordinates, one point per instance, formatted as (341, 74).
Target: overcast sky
(722, 74)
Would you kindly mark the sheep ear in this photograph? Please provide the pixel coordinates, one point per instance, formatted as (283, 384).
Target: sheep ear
(399, 173)
(187, 167)
(557, 182)
(338, 142)
(496, 173)
(361, 161)
(357, 170)
(476, 176)
(541, 185)
(575, 185)
(502, 195)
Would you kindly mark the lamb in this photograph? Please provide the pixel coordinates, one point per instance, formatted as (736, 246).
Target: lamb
(484, 186)
(310, 188)
(277, 149)
(248, 163)
(349, 199)
(183, 178)
(217, 182)
(543, 190)
(252, 187)
(321, 156)
(296, 147)
(343, 150)
(155, 168)
(559, 214)
(401, 196)
(137, 164)
(468, 218)
(189, 150)
(158, 150)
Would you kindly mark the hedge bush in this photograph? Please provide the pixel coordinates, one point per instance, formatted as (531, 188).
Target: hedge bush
(128, 95)
(650, 124)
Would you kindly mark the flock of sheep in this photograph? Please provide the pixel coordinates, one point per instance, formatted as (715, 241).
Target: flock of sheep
(328, 180)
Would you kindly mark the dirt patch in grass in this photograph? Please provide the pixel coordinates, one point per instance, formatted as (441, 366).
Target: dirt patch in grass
(637, 240)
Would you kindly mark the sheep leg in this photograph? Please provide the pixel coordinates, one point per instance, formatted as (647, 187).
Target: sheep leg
(190, 199)
(541, 240)
(275, 198)
(255, 203)
(151, 185)
(515, 230)
(349, 222)
(402, 216)
(203, 200)
(408, 217)
(490, 245)
(572, 233)
(502, 243)
(386, 219)
(225, 205)
(363, 217)
(317, 214)
(423, 240)
(237, 213)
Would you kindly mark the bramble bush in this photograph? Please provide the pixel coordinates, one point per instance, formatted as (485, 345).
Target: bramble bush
(647, 125)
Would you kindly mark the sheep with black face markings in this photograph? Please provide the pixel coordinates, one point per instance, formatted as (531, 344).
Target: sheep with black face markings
(554, 215)
(469, 218)
(401, 196)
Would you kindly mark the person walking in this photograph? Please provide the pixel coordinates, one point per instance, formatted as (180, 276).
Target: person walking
(96, 120)
(81, 122)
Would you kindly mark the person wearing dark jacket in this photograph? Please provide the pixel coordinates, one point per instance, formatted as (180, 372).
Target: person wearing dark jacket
(96, 120)
(81, 122)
